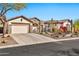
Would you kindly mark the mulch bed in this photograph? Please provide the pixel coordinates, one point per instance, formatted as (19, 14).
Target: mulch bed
(7, 41)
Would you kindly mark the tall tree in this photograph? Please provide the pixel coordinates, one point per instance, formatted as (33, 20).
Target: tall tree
(51, 25)
(4, 8)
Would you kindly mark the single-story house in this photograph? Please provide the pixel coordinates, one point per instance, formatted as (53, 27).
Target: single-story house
(19, 24)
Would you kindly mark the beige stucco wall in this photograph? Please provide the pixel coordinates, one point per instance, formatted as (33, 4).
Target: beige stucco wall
(18, 21)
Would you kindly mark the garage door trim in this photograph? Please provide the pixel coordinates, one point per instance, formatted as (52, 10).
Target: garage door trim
(20, 24)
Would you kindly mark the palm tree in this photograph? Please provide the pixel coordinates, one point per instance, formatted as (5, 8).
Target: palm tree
(4, 8)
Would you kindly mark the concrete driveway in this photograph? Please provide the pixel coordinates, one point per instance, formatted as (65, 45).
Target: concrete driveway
(31, 38)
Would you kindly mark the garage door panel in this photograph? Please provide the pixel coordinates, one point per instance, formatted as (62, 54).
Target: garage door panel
(20, 29)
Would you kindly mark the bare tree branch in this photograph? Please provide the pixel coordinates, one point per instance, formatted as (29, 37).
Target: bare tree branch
(6, 11)
(2, 11)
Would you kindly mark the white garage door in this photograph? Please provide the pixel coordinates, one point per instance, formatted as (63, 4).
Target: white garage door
(19, 29)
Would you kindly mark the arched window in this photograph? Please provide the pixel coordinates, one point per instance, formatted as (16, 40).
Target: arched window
(21, 20)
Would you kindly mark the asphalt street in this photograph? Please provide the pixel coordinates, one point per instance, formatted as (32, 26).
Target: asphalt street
(64, 48)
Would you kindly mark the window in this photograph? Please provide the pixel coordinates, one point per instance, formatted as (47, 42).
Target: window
(21, 20)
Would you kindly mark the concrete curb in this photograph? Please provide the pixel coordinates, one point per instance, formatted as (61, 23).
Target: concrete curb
(66, 39)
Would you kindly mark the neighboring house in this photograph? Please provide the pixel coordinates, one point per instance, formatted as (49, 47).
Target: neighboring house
(36, 24)
(50, 26)
(42, 26)
(62, 25)
(46, 27)
(65, 26)
(19, 24)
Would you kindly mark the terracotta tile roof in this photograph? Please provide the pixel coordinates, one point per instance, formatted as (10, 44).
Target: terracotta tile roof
(35, 21)
(21, 17)
(56, 22)
(35, 18)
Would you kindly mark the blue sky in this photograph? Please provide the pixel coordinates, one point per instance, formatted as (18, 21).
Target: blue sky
(46, 11)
